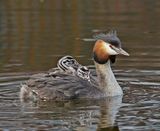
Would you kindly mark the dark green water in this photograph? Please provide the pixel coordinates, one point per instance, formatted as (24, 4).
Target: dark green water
(34, 34)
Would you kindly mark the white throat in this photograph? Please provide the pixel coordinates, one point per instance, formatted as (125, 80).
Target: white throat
(107, 81)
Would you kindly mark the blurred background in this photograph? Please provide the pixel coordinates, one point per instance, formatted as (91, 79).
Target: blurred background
(34, 34)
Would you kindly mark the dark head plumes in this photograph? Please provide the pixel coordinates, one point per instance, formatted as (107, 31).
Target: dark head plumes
(110, 37)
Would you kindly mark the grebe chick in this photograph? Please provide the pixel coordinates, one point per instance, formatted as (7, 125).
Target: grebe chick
(84, 73)
(68, 64)
(62, 85)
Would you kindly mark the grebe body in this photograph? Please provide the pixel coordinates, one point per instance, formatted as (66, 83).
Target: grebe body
(72, 80)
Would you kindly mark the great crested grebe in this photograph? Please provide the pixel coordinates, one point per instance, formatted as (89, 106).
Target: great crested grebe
(72, 80)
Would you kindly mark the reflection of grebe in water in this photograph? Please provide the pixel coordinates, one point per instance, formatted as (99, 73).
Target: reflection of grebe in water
(106, 115)
(109, 109)
(80, 115)
(72, 80)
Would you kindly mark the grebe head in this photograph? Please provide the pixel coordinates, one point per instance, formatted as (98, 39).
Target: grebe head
(68, 64)
(107, 47)
(84, 73)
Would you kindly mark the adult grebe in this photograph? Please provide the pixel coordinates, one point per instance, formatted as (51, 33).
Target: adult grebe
(72, 80)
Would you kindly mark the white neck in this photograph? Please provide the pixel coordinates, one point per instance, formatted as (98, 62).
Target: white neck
(107, 81)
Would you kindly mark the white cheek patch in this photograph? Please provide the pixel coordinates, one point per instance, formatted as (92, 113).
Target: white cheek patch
(110, 51)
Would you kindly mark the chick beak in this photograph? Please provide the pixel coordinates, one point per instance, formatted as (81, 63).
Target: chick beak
(120, 51)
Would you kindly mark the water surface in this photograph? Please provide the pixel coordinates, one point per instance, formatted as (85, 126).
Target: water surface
(35, 34)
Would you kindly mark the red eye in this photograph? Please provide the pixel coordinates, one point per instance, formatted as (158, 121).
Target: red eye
(111, 46)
